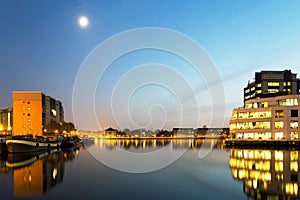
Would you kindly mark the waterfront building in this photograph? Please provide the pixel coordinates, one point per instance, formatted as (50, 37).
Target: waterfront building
(110, 132)
(271, 84)
(6, 116)
(202, 132)
(269, 115)
(266, 174)
(183, 132)
(32, 111)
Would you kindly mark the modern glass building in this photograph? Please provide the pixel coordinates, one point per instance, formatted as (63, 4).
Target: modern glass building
(271, 84)
(271, 113)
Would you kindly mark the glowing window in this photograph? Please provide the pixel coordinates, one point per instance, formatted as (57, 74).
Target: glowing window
(278, 155)
(294, 124)
(273, 90)
(273, 83)
(279, 124)
(278, 113)
(294, 166)
(234, 115)
(248, 105)
(279, 166)
(294, 155)
(294, 135)
(278, 135)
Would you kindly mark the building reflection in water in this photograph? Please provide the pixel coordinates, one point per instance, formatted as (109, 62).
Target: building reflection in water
(150, 144)
(34, 174)
(35, 179)
(266, 174)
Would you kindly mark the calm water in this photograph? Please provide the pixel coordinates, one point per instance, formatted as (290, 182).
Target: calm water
(221, 174)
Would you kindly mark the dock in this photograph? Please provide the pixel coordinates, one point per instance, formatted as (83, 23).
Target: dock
(262, 144)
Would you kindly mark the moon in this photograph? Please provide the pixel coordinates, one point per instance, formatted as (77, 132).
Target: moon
(83, 21)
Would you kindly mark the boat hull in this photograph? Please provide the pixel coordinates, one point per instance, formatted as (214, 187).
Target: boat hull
(24, 146)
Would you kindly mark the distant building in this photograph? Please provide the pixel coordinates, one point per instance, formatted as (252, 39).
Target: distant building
(271, 108)
(271, 84)
(111, 132)
(183, 132)
(6, 121)
(200, 132)
(32, 111)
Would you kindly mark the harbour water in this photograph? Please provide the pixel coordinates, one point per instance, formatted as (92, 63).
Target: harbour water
(220, 173)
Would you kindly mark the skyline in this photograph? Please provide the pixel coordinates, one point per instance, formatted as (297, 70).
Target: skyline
(43, 47)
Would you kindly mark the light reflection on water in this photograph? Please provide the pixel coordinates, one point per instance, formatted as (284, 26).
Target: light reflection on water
(223, 174)
(266, 174)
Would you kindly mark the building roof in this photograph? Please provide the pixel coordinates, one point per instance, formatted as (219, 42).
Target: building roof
(110, 129)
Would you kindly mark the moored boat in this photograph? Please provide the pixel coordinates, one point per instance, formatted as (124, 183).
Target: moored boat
(25, 159)
(70, 142)
(23, 144)
(3, 144)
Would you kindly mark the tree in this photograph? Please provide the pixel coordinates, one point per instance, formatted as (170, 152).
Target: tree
(68, 127)
(53, 127)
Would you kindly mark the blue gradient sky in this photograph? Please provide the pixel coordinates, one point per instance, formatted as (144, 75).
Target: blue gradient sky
(42, 46)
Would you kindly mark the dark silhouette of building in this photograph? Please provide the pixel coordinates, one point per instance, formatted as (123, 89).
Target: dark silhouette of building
(271, 84)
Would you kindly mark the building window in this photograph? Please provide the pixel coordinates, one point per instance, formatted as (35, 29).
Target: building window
(294, 155)
(278, 135)
(278, 155)
(273, 90)
(28, 114)
(294, 124)
(294, 113)
(279, 124)
(294, 166)
(273, 83)
(287, 102)
(28, 102)
(279, 166)
(278, 113)
(234, 116)
(248, 105)
(294, 135)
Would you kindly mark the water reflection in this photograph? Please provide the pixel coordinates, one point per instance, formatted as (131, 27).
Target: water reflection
(35, 173)
(145, 145)
(266, 174)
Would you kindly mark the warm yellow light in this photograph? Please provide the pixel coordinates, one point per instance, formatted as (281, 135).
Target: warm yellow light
(54, 174)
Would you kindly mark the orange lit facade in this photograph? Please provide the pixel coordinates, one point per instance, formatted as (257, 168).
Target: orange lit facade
(27, 118)
(28, 181)
(32, 111)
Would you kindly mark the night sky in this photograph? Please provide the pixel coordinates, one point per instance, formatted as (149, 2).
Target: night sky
(42, 47)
